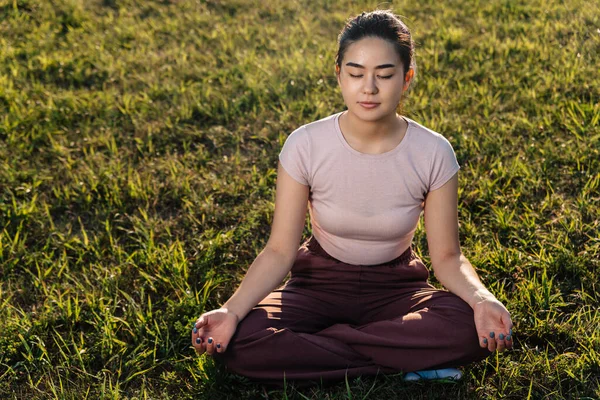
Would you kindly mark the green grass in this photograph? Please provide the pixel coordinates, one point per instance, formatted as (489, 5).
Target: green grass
(138, 154)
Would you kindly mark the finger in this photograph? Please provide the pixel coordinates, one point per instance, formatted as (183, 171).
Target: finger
(483, 342)
(506, 321)
(500, 343)
(491, 342)
(508, 336)
(219, 348)
(197, 343)
(201, 322)
(210, 346)
(509, 341)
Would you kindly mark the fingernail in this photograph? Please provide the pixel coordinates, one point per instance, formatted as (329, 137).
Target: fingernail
(209, 340)
(218, 345)
(510, 331)
(491, 334)
(198, 340)
(501, 336)
(508, 338)
(485, 340)
(195, 330)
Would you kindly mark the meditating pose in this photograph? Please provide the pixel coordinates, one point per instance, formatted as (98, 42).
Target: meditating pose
(358, 301)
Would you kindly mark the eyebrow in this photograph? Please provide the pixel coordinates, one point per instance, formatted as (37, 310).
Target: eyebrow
(351, 64)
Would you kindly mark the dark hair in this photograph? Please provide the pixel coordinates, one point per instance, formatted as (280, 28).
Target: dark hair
(383, 24)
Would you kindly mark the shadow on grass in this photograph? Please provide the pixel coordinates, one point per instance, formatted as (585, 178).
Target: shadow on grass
(222, 384)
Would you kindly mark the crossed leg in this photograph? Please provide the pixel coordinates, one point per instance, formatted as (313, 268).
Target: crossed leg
(277, 339)
(414, 330)
(314, 328)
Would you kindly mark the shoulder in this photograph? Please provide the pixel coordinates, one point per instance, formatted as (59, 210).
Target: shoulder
(317, 127)
(312, 132)
(427, 138)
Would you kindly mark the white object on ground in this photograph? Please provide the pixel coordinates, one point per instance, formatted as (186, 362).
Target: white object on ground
(445, 373)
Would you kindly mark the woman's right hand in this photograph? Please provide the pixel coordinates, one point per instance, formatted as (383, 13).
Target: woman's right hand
(213, 331)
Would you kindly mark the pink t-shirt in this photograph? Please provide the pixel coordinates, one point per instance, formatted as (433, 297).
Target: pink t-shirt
(364, 208)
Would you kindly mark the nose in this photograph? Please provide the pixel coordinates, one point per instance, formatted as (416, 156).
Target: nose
(369, 85)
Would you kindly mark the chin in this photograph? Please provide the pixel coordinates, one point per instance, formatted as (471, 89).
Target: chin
(372, 115)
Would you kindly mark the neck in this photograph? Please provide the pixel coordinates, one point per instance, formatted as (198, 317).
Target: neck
(369, 131)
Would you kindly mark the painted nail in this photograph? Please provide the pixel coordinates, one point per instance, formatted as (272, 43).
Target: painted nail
(485, 340)
(209, 340)
(508, 338)
(218, 345)
(198, 340)
(491, 334)
(510, 331)
(195, 330)
(501, 336)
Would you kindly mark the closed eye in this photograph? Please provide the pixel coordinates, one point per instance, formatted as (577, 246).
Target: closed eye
(382, 77)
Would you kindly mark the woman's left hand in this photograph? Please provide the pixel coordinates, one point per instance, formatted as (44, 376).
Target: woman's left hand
(493, 323)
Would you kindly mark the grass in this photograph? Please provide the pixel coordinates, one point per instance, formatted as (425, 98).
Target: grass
(138, 153)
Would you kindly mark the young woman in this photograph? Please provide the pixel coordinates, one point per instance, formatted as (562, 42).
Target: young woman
(358, 301)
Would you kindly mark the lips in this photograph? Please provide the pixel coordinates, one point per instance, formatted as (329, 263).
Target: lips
(368, 105)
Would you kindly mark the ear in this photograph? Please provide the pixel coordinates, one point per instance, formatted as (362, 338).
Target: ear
(408, 79)
(337, 73)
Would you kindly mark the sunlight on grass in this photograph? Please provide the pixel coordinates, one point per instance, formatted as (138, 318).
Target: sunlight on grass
(138, 147)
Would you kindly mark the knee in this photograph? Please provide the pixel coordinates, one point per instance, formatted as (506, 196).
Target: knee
(250, 330)
(253, 327)
(465, 332)
(460, 324)
(233, 356)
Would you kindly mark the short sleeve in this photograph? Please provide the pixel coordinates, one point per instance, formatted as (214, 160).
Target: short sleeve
(443, 165)
(295, 156)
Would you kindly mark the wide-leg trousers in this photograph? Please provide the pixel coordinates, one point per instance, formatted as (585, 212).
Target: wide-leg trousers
(333, 320)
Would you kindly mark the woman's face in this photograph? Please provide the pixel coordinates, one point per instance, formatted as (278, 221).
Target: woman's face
(372, 72)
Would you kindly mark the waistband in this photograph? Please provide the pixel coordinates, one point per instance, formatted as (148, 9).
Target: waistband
(314, 247)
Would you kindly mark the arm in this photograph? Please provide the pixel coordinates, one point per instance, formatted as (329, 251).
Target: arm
(456, 273)
(275, 261)
(214, 329)
(449, 265)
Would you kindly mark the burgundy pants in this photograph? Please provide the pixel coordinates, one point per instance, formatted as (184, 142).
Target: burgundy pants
(332, 319)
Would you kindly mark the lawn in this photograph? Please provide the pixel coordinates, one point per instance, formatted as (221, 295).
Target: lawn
(138, 154)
